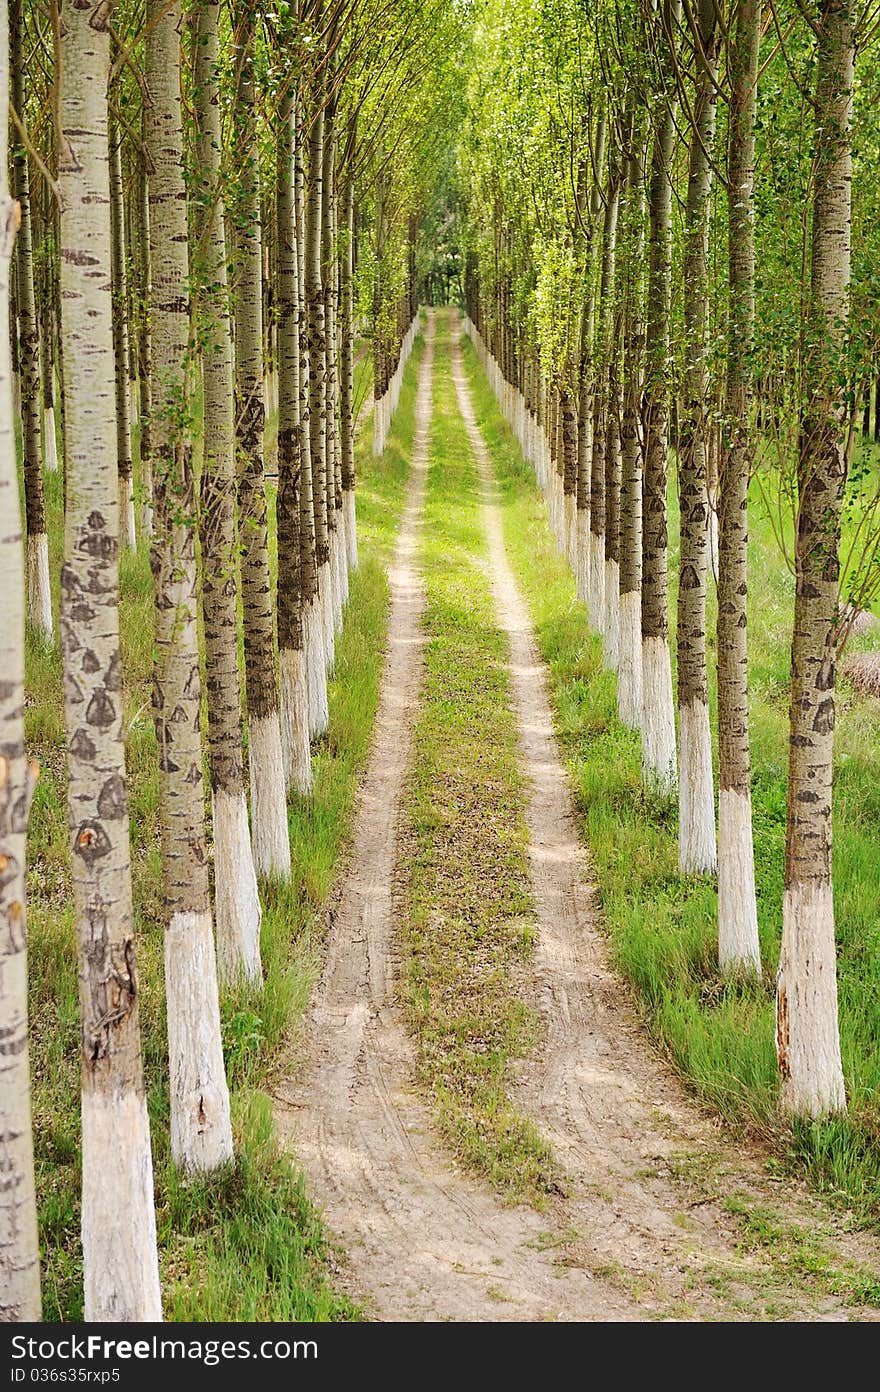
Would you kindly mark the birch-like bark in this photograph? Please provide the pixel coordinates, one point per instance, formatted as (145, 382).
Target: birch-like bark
(291, 637)
(629, 662)
(696, 795)
(235, 882)
(145, 354)
(658, 713)
(38, 587)
(201, 1133)
(19, 1250)
(738, 947)
(317, 345)
(333, 614)
(601, 355)
(271, 837)
(120, 1259)
(313, 627)
(346, 383)
(586, 377)
(120, 342)
(807, 1030)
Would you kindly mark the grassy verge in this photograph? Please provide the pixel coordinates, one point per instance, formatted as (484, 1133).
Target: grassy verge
(467, 916)
(662, 926)
(247, 1244)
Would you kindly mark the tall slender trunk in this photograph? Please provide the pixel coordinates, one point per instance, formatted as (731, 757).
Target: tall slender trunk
(120, 341)
(629, 661)
(235, 880)
(313, 627)
(120, 1258)
(738, 947)
(291, 644)
(658, 712)
(346, 384)
(696, 797)
(333, 617)
(38, 586)
(201, 1134)
(318, 370)
(807, 1031)
(271, 837)
(600, 403)
(606, 458)
(145, 354)
(19, 1250)
(586, 375)
(45, 237)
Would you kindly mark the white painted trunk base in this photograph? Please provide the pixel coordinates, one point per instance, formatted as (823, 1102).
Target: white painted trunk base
(571, 531)
(582, 569)
(39, 591)
(696, 791)
(597, 582)
(120, 1257)
(270, 835)
(629, 660)
(50, 441)
(316, 668)
(807, 1032)
(342, 558)
(127, 529)
(611, 626)
(295, 748)
(351, 541)
(336, 579)
(658, 717)
(738, 947)
(235, 890)
(328, 617)
(201, 1132)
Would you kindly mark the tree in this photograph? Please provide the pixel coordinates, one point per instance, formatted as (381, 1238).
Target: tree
(807, 1032)
(271, 837)
(19, 1252)
(120, 1261)
(738, 948)
(658, 714)
(201, 1134)
(696, 799)
(235, 880)
(39, 590)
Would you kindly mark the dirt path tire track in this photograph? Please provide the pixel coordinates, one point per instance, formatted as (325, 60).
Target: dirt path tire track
(616, 1116)
(423, 1241)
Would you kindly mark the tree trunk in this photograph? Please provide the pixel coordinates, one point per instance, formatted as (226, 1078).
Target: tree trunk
(606, 432)
(629, 660)
(145, 354)
(201, 1134)
(346, 385)
(235, 880)
(313, 625)
(807, 1033)
(120, 342)
(696, 795)
(120, 1259)
(336, 557)
(600, 406)
(738, 948)
(291, 647)
(271, 837)
(658, 712)
(38, 586)
(586, 376)
(317, 378)
(19, 1250)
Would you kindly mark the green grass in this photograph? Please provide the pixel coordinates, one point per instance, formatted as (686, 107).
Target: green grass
(662, 927)
(468, 920)
(245, 1244)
